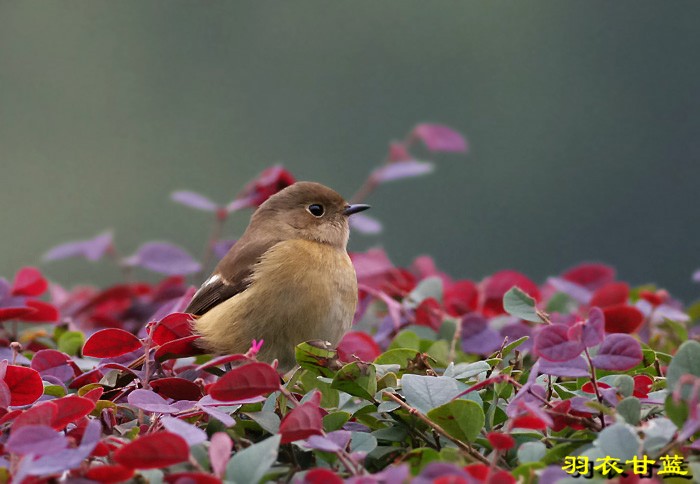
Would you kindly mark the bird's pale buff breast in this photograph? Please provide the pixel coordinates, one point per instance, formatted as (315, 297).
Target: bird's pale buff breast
(290, 300)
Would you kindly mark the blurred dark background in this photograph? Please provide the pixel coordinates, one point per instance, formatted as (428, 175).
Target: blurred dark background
(582, 119)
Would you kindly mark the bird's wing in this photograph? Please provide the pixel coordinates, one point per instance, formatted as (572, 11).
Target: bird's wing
(232, 274)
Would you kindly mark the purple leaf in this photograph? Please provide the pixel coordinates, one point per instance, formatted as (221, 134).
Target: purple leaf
(365, 224)
(149, 401)
(69, 458)
(594, 328)
(696, 276)
(37, 440)
(164, 258)
(240, 203)
(552, 343)
(220, 452)
(332, 442)
(318, 442)
(194, 200)
(619, 352)
(192, 435)
(438, 137)
(92, 249)
(477, 337)
(401, 169)
(577, 292)
(222, 417)
(5, 394)
(577, 367)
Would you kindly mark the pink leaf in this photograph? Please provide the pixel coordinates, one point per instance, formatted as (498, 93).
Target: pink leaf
(438, 137)
(220, 452)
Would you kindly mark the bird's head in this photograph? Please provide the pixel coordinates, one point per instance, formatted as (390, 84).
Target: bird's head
(308, 210)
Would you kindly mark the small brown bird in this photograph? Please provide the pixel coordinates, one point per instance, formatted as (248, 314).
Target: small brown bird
(287, 280)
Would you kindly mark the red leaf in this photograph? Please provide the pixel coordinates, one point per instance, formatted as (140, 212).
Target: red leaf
(179, 348)
(111, 342)
(501, 441)
(70, 409)
(654, 298)
(429, 313)
(528, 422)
(269, 182)
(622, 319)
(246, 381)
(589, 388)
(16, 312)
(501, 282)
(501, 477)
(92, 376)
(642, 385)
(191, 478)
(173, 326)
(302, 422)
(320, 475)
(25, 385)
(42, 414)
(94, 394)
(153, 451)
(478, 471)
(591, 276)
(109, 474)
(43, 312)
(611, 294)
(360, 344)
(177, 388)
(461, 298)
(29, 282)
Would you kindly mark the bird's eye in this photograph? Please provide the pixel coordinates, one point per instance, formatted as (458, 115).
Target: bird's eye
(315, 209)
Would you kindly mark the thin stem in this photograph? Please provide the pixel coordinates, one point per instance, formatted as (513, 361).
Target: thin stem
(456, 337)
(595, 386)
(214, 237)
(464, 447)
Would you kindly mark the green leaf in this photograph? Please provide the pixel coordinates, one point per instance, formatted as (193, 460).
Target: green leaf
(397, 356)
(531, 452)
(362, 442)
(428, 287)
(317, 357)
(358, 379)
(406, 339)
(462, 419)
(686, 360)
(619, 441)
(55, 391)
(517, 303)
(268, 421)
(676, 411)
(417, 459)
(250, 465)
(428, 392)
(630, 409)
(335, 421)
(561, 303)
(71, 342)
(462, 371)
(511, 346)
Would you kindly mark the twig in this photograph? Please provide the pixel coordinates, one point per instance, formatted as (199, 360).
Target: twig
(466, 448)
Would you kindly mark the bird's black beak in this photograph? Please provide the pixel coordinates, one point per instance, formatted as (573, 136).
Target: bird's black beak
(357, 207)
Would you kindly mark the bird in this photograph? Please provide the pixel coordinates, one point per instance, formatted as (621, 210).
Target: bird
(287, 280)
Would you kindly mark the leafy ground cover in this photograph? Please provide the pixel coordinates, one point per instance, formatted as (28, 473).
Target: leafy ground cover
(441, 380)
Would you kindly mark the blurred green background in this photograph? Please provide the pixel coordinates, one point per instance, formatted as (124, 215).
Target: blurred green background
(582, 119)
